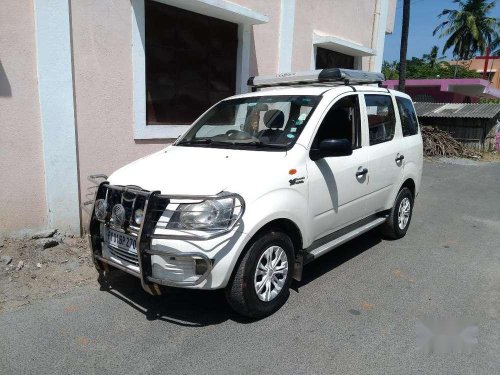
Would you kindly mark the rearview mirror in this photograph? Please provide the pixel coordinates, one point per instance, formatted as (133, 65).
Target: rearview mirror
(332, 147)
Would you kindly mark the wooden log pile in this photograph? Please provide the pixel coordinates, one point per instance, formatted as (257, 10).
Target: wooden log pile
(440, 143)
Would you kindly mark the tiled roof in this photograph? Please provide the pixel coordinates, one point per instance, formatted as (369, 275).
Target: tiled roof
(457, 110)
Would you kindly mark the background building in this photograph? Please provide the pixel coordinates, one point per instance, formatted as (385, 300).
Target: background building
(452, 90)
(87, 86)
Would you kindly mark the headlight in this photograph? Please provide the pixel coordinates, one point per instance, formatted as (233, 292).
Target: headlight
(208, 215)
(101, 209)
(138, 216)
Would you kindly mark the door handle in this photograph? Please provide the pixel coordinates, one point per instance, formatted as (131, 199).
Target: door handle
(361, 172)
(399, 158)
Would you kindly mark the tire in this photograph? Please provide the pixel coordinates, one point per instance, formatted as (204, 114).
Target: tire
(241, 292)
(392, 228)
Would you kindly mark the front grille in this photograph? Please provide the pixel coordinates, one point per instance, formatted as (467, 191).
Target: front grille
(123, 201)
(128, 199)
(124, 255)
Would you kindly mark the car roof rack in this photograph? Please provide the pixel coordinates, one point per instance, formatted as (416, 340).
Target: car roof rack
(323, 77)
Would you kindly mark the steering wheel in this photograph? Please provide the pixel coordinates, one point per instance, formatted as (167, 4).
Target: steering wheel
(234, 131)
(239, 135)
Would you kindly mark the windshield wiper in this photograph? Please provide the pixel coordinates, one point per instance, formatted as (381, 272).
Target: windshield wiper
(199, 141)
(263, 144)
(209, 141)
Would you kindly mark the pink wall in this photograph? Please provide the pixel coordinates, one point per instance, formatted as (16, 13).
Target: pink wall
(351, 20)
(102, 33)
(264, 52)
(22, 182)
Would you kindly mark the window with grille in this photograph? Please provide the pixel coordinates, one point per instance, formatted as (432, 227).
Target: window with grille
(190, 63)
(326, 58)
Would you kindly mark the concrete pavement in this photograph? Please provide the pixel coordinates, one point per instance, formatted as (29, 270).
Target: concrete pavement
(354, 312)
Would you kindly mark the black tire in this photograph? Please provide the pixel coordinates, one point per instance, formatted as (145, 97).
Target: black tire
(240, 292)
(391, 228)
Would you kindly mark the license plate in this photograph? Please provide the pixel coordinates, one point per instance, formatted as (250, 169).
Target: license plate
(122, 241)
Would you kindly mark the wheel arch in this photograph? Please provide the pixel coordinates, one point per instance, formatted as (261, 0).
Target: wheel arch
(410, 184)
(288, 226)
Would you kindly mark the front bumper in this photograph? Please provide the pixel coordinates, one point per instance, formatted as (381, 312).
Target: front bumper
(153, 265)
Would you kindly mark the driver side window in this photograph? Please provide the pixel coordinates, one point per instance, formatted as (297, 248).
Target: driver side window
(342, 121)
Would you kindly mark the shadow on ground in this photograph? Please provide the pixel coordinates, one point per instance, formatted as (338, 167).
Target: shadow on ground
(193, 308)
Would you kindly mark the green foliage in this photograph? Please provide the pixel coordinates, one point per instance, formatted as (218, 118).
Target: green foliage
(423, 68)
(469, 30)
(390, 69)
(489, 101)
(420, 68)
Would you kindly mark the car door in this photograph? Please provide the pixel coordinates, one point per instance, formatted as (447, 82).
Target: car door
(384, 151)
(337, 185)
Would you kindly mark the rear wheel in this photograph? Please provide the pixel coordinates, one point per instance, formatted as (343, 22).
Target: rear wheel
(399, 218)
(262, 280)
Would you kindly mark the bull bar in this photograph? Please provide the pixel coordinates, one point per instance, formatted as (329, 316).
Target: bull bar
(154, 205)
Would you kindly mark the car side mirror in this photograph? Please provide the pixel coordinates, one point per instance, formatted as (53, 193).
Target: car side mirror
(332, 147)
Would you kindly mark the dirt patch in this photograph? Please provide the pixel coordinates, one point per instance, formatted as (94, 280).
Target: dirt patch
(491, 156)
(35, 269)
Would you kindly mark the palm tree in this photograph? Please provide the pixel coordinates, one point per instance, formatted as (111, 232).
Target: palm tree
(469, 29)
(433, 57)
(404, 45)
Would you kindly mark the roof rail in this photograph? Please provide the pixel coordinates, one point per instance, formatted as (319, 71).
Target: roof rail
(334, 76)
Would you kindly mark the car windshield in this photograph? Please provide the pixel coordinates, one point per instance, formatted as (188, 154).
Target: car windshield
(263, 122)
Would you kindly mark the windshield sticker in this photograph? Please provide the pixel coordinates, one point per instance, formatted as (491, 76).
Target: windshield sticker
(291, 136)
(298, 122)
(303, 116)
(293, 130)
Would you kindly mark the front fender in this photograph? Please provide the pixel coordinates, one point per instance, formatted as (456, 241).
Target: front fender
(282, 203)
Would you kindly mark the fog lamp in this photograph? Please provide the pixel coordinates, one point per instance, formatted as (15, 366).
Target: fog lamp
(138, 216)
(101, 209)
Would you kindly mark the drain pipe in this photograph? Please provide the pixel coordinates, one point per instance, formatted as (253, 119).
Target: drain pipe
(378, 34)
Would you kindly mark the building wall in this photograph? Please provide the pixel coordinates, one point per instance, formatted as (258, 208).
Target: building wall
(346, 19)
(477, 65)
(102, 33)
(493, 69)
(22, 183)
(391, 17)
(264, 50)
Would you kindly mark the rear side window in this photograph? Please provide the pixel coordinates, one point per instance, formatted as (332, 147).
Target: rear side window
(381, 118)
(409, 122)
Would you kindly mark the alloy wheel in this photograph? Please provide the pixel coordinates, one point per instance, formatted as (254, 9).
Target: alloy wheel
(271, 273)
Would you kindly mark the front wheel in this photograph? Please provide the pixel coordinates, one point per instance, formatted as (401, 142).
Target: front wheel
(399, 218)
(262, 280)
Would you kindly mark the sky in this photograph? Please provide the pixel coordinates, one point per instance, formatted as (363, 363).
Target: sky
(423, 21)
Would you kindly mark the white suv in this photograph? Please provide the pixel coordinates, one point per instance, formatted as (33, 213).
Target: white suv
(261, 184)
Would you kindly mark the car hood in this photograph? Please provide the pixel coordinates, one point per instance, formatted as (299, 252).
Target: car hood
(180, 170)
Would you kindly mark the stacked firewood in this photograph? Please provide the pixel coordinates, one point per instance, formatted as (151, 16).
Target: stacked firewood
(440, 143)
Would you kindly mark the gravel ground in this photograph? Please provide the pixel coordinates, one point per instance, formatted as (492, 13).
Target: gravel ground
(29, 272)
(354, 312)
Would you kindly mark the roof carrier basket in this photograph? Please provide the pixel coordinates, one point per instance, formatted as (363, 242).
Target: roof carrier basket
(323, 77)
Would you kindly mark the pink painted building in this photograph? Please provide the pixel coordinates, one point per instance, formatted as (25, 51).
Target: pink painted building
(87, 86)
(465, 90)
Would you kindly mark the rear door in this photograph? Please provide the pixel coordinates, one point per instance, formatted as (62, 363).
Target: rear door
(384, 150)
(412, 138)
